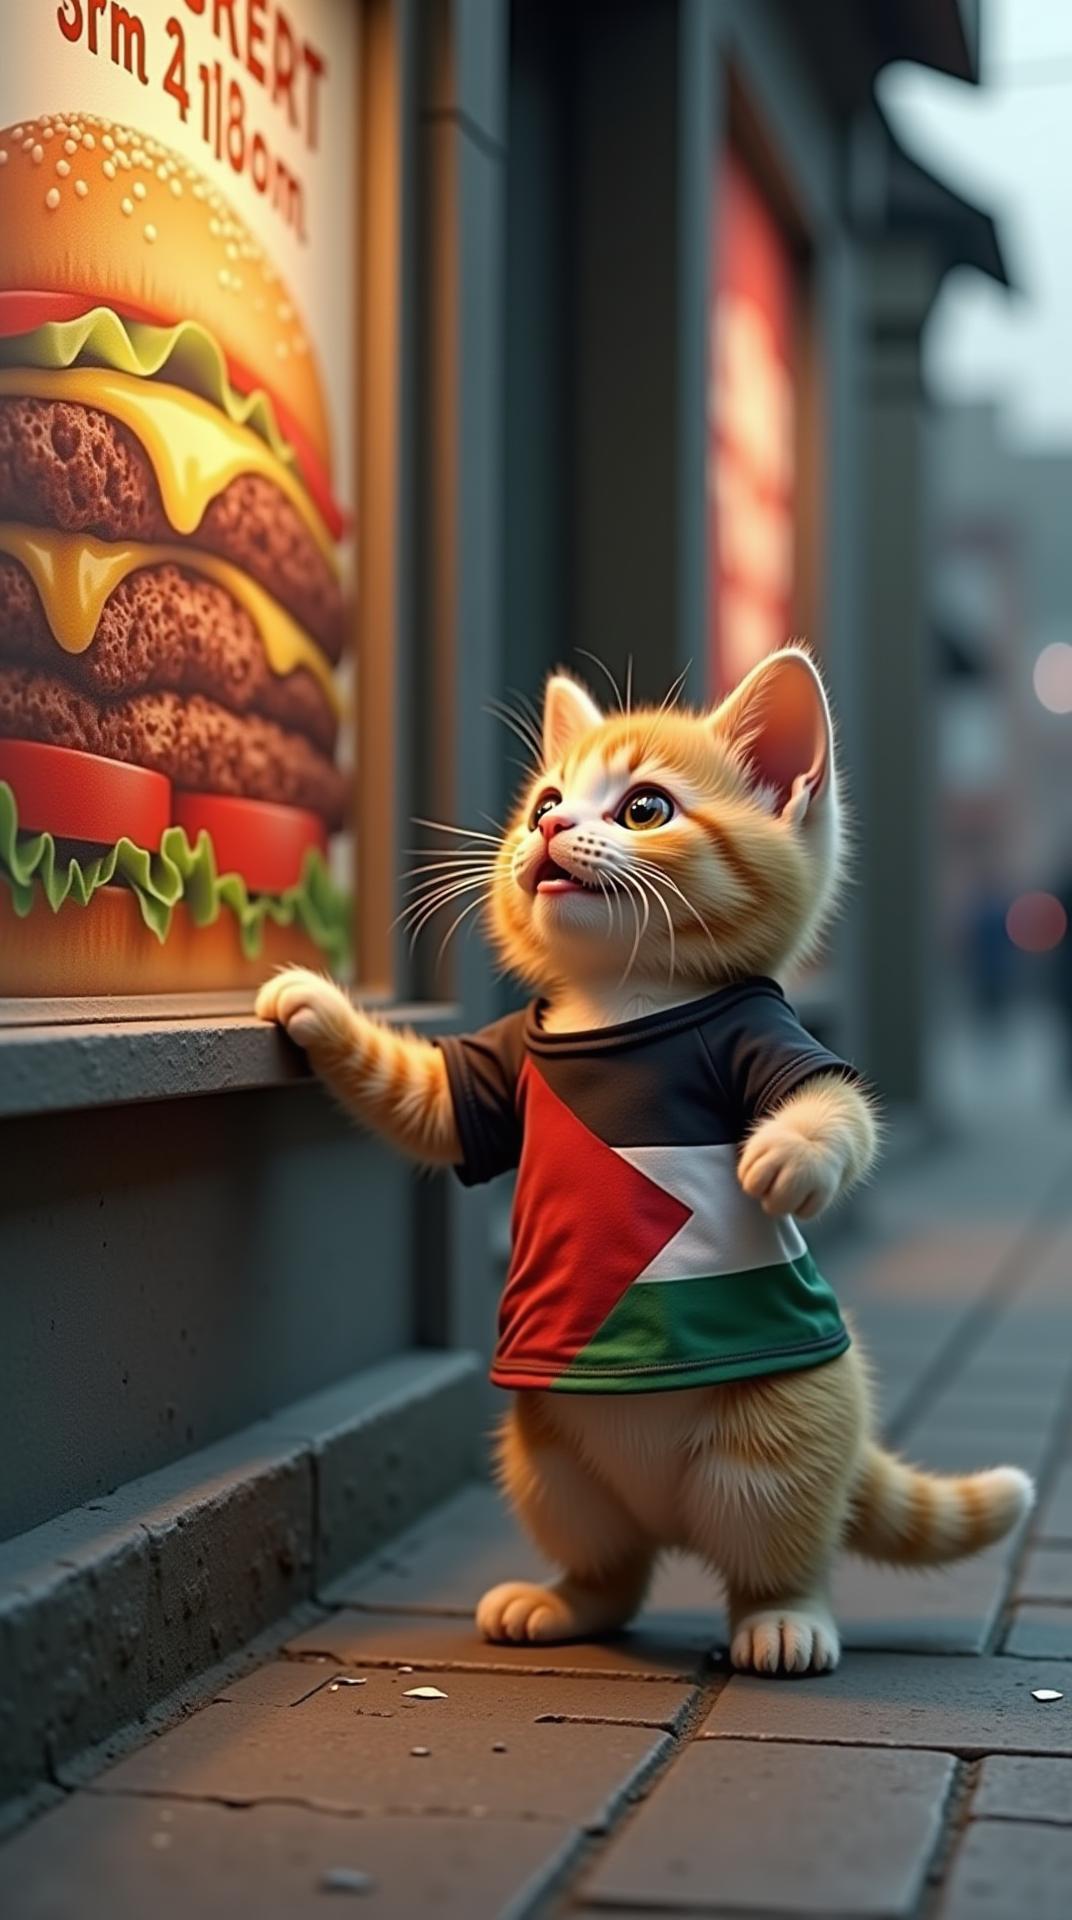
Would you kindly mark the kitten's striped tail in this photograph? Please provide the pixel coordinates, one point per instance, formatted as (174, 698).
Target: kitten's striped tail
(909, 1518)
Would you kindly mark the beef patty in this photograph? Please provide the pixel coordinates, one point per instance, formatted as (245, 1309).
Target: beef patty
(198, 744)
(166, 627)
(73, 467)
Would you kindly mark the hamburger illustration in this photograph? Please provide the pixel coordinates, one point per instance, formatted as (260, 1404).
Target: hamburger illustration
(170, 601)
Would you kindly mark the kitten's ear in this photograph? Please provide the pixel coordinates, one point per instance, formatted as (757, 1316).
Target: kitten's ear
(778, 721)
(568, 712)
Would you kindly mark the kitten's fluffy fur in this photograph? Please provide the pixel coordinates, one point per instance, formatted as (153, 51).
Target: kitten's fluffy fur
(764, 1478)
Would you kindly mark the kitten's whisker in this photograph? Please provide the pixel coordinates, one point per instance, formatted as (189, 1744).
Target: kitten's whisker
(454, 863)
(640, 927)
(467, 833)
(605, 670)
(529, 711)
(629, 684)
(453, 853)
(639, 876)
(519, 730)
(673, 694)
(668, 702)
(419, 928)
(436, 882)
(418, 911)
(656, 873)
(606, 892)
(453, 928)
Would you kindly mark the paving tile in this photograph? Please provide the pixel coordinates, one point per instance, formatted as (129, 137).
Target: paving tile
(1047, 1575)
(989, 1410)
(957, 1449)
(1016, 1787)
(124, 1858)
(445, 1563)
(1040, 1633)
(855, 1829)
(940, 1610)
(480, 1695)
(1004, 1869)
(678, 1650)
(1055, 1510)
(904, 1700)
(990, 1370)
(347, 1759)
(279, 1683)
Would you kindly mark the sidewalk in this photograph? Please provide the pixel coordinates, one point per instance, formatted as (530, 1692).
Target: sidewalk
(640, 1777)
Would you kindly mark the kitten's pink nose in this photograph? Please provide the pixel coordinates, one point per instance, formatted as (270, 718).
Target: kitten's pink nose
(552, 823)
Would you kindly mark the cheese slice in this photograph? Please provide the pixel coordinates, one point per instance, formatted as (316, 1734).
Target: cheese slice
(195, 450)
(75, 574)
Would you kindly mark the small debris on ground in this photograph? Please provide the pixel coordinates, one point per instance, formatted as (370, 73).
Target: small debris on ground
(499, 1746)
(346, 1880)
(345, 1680)
(425, 1693)
(1046, 1693)
(420, 1753)
(405, 1669)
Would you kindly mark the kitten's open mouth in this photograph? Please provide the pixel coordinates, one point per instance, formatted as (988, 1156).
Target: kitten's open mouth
(551, 878)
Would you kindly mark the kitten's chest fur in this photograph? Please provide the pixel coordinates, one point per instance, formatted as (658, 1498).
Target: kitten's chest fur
(582, 1009)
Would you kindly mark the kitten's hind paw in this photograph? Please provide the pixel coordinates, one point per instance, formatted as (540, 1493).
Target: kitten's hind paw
(783, 1640)
(520, 1611)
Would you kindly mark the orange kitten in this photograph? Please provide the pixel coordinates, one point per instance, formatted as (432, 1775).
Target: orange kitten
(683, 1376)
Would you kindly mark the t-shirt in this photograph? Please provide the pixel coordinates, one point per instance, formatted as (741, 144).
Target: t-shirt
(638, 1262)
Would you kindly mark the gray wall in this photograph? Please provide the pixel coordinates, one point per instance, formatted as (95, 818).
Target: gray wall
(173, 1272)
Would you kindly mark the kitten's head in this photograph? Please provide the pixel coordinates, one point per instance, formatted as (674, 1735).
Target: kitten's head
(668, 846)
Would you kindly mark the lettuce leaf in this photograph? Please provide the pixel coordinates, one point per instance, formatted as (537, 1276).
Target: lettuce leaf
(32, 869)
(186, 355)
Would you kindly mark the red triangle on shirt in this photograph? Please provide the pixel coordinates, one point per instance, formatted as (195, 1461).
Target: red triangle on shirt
(585, 1225)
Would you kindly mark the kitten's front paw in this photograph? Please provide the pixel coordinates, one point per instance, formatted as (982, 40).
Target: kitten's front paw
(314, 1011)
(789, 1173)
(786, 1640)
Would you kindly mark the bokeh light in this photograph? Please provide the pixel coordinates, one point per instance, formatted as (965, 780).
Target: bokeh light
(1053, 677)
(1036, 922)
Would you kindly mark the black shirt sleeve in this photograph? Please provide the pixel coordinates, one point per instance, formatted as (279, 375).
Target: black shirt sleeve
(761, 1054)
(482, 1071)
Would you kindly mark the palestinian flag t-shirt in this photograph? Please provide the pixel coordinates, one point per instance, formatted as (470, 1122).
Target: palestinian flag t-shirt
(638, 1263)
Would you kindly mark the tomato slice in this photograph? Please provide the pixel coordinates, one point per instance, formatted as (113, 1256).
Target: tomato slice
(22, 310)
(79, 796)
(262, 841)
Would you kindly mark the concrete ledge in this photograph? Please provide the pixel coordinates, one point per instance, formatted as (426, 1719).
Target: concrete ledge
(107, 1609)
(93, 1062)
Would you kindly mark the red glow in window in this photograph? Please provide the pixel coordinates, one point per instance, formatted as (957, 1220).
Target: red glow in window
(751, 475)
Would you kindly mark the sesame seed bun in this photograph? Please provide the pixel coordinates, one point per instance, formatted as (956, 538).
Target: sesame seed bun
(94, 209)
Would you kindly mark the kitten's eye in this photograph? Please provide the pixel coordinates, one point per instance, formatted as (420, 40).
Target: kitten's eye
(645, 808)
(543, 806)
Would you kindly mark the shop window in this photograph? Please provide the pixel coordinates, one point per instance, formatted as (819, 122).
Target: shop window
(188, 342)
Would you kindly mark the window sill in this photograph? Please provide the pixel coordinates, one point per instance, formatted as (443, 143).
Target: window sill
(93, 1055)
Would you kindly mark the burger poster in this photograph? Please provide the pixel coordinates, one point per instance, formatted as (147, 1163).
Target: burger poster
(177, 354)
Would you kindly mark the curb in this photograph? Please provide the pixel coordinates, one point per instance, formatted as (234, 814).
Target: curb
(108, 1609)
